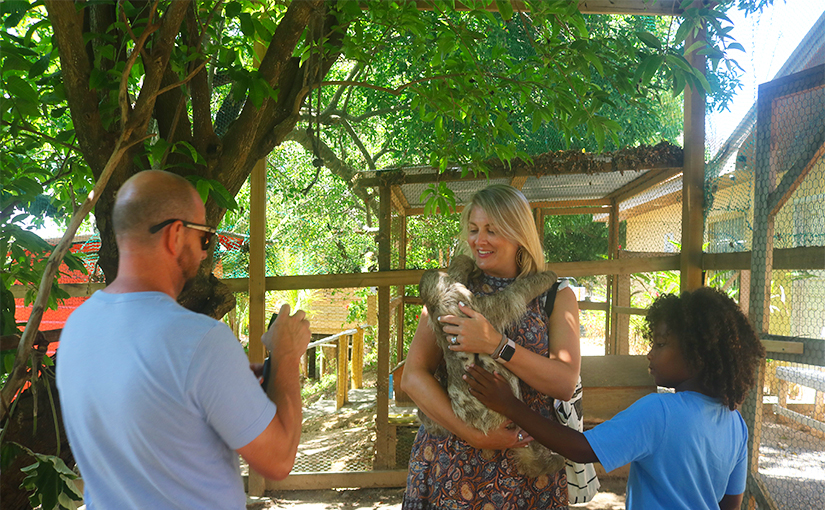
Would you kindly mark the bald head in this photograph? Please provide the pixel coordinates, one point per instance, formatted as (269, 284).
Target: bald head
(150, 197)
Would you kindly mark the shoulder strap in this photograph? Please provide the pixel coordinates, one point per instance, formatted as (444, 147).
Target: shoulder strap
(550, 298)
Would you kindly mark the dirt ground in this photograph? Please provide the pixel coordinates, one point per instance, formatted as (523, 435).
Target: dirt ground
(610, 497)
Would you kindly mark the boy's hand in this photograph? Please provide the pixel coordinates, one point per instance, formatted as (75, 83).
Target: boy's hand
(491, 389)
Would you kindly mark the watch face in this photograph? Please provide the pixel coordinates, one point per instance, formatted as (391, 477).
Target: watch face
(507, 352)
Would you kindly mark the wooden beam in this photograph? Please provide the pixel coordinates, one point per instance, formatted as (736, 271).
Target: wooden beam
(549, 205)
(399, 201)
(632, 7)
(803, 258)
(401, 290)
(784, 346)
(340, 480)
(413, 276)
(693, 176)
(257, 271)
(571, 162)
(644, 182)
(596, 209)
(518, 182)
(382, 432)
(563, 204)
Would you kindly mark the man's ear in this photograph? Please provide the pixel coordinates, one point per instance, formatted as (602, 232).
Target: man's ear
(173, 238)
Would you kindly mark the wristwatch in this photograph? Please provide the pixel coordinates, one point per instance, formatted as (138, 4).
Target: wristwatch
(505, 354)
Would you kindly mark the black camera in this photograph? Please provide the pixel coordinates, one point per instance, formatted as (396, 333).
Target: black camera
(265, 382)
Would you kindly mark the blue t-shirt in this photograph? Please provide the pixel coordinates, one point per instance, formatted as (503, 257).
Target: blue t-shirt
(686, 451)
(156, 399)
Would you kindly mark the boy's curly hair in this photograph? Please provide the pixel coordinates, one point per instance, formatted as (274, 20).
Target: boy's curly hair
(715, 338)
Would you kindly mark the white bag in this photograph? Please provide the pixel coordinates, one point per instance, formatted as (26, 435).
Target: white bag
(582, 482)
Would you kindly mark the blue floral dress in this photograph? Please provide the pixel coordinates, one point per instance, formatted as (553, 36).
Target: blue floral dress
(448, 473)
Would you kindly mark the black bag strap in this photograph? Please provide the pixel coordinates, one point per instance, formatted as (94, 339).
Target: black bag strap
(550, 298)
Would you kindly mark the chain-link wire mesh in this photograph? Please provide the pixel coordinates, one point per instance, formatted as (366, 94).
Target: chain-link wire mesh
(787, 417)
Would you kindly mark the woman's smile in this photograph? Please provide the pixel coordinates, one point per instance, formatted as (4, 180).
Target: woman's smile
(494, 254)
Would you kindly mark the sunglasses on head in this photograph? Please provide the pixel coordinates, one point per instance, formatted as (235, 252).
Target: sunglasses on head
(208, 231)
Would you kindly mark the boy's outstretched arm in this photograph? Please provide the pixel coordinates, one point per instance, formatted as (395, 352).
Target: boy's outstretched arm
(494, 392)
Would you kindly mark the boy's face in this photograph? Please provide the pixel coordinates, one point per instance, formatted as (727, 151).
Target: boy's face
(667, 364)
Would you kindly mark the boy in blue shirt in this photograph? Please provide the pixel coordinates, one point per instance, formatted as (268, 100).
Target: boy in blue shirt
(688, 449)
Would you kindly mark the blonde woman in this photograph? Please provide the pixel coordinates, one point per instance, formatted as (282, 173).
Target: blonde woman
(468, 469)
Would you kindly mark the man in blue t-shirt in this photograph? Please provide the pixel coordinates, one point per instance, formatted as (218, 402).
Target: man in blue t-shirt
(158, 401)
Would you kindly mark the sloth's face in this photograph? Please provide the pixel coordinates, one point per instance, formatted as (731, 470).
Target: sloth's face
(493, 253)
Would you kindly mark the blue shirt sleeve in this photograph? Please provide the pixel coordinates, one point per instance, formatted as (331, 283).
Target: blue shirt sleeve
(226, 391)
(632, 434)
(739, 475)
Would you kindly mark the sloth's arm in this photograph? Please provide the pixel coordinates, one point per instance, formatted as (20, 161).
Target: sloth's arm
(421, 385)
(556, 374)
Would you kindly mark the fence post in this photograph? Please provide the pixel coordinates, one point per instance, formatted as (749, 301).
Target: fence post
(358, 358)
(342, 386)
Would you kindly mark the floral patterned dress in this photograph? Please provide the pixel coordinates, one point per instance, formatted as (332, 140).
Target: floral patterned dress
(448, 473)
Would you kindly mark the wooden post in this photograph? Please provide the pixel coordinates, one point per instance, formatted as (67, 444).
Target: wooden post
(342, 387)
(358, 359)
(744, 290)
(312, 367)
(693, 176)
(760, 287)
(257, 273)
(611, 317)
(382, 439)
(328, 353)
(402, 264)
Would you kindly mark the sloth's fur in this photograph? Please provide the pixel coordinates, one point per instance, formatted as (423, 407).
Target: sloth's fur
(441, 292)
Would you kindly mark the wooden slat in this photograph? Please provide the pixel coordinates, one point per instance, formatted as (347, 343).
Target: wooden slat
(783, 346)
(341, 480)
(808, 257)
(615, 371)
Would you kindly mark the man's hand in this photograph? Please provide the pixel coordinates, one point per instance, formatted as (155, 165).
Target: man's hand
(491, 389)
(288, 336)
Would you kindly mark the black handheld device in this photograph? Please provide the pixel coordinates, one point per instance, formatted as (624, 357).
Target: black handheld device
(265, 382)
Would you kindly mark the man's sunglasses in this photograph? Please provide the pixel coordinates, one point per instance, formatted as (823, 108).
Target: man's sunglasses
(208, 231)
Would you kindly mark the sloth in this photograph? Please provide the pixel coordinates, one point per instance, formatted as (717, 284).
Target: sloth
(441, 292)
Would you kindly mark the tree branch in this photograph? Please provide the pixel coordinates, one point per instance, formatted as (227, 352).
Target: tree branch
(18, 373)
(67, 23)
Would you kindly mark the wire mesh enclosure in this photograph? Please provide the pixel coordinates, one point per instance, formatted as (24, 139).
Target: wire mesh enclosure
(786, 415)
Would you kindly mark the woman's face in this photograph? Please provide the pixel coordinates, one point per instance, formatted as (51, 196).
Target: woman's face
(493, 253)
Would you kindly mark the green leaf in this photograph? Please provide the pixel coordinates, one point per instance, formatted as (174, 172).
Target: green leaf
(232, 9)
(736, 46)
(221, 195)
(203, 188)
(20, 88)
(505, 9)
(247, 26)
(40, 66)
(650, 40)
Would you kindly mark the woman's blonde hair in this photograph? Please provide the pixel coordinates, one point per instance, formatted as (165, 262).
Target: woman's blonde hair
(508, 209)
